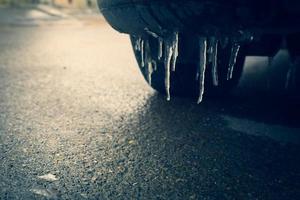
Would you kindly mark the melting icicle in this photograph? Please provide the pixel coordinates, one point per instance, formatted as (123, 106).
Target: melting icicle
(214, 60)
(148, 61)
(139, 46)
(171, 54)
(168, 56)
(202, 67)
(210, 50)
(154, 64)
(149, 72)
(142, 52)
(175, 50)
(160, 48)
(137, 43)
(234, 53)
(160, 42)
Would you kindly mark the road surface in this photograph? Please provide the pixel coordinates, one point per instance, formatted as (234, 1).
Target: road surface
(77, 121)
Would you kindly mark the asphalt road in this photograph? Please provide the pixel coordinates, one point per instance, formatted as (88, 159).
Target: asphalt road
(77, 121)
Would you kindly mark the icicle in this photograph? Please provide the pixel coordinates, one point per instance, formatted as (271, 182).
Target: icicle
(160, 48)
(154, 64)
(175, 50)
(148, 61)
(168, 55)
(210, 50)
(202, 67)
(149, 72)
(137, 43)
(214, 60)
(171, 54)
(142, 53)
(160, 42)
(234, 53)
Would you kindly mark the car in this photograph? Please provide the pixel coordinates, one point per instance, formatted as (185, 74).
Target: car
(192, 47)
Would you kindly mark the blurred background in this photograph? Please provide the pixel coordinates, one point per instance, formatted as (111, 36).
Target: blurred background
(38, 12)
(79, 4)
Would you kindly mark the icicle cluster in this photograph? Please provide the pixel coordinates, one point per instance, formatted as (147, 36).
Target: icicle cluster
(168, 50)
(142, 45)
(210, 49)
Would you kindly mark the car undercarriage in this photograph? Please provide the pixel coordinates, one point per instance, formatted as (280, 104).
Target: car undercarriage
(189, 48)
